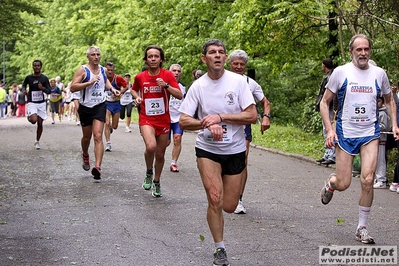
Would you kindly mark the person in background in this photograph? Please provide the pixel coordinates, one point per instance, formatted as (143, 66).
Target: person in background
(55, 100)
(238, 64)
(381, 171)
(12, 99)
(225, 104)
(36, 86)
(74, 106)
(127, 104)
(394, 187)
(329, 153)
(174, 105)
(152, 89)
(21, 101)
(3, 102)
(67, 101)
(358, 85)
(113, 103)
(60, 85)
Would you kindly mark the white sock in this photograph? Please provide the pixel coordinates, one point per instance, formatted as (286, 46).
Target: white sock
(219, 245)
(173, 162)
(364, 213)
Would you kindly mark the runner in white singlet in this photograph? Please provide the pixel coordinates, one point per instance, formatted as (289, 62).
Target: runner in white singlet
(91, 81)
(358, 85)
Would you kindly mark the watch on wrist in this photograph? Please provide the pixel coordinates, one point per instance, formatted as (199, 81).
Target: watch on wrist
(268, 115)
(166, 86)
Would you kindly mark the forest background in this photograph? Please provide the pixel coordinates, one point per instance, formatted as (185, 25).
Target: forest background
(285, 40)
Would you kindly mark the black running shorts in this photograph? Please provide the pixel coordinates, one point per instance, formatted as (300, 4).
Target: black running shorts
(232, 164)
(87, 115)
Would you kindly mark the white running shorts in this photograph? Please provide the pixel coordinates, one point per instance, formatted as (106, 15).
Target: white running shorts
(40, 109)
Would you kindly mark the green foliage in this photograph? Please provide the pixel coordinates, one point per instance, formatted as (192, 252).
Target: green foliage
(290, 139)
(12, 24)
(310, 120)
(286, 40)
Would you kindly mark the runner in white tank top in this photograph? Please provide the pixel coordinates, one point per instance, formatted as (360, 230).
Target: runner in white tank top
(92, 83)
(358, 85)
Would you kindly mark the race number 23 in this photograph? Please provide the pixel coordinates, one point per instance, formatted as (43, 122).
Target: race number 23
(154, 106)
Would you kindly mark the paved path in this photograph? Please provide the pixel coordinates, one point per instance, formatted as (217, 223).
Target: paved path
(53, 213)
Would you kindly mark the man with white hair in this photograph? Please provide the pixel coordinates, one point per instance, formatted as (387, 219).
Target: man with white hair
(92, 83)
(238, 63)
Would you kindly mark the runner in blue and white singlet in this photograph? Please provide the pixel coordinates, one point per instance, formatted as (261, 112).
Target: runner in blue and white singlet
(358, 85)
(358, 92)
(93, 94)
(91, 82)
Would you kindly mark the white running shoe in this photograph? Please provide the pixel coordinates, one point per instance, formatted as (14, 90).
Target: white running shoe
(37, 146)
(394, 187)
(108, 147)
(362, 235)
(128, 130)
(380, 184)
(240, 209)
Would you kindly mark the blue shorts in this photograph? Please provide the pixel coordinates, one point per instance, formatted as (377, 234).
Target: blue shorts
(248, 132)
(175, 127)
(352, 145)
(114, 107)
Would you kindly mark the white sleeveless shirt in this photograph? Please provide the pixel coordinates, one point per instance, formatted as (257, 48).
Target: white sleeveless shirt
(358, 91)
(93, 94)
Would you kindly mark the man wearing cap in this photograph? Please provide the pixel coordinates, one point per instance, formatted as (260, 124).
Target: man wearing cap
(329, 154)
(127, 103)
(113, 103)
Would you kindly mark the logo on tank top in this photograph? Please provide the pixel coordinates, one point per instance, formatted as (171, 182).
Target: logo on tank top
(362, 89)
(230, 97)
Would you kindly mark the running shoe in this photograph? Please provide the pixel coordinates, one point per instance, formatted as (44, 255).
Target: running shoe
(147, 183)
(156, 190)
(96, 172)
(108, 147)
(240, 209)
(174, 168)
(394, 187)
(380, 184)
(362, 235)
(128, 130)
(53, 122)
(220, 257)
(37, 146)
(86, 162)
(78, 123)
(326, 193)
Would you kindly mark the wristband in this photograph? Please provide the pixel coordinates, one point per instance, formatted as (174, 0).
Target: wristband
(268, 115)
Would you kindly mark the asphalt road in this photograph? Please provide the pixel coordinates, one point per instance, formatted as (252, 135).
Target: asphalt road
(52, 212)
